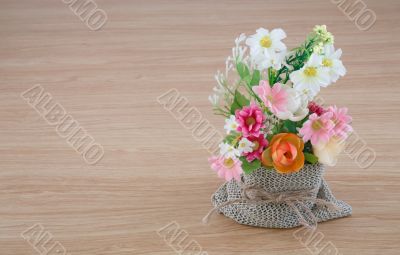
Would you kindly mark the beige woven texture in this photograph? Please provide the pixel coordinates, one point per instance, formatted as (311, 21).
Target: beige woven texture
(280, 215)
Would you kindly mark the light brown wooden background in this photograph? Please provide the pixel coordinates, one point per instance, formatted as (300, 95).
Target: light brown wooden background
(153, 171)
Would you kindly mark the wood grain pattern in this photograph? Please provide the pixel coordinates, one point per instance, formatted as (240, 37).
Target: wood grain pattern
(153, 171)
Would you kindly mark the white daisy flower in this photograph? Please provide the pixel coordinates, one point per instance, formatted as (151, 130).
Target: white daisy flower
(331, 61)
(266, 42)
(231, 124)
(265, 47)
(228, 151)
(311, 77)
(245, 146)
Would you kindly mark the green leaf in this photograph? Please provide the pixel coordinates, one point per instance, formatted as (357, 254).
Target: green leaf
(290, 126)
(311, 158)
(240, 99)
(276, 129)
(229, 138)
(243, 71)
(308, 147)
(249, 167)
(255, 80)
(239, 102)
(234, 107)
(247, 79)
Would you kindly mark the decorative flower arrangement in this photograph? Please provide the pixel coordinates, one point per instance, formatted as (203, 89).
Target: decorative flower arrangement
(271, 118)
(278, 139)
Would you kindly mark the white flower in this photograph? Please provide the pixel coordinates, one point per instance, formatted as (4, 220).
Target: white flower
(220, 90)
(221, 83)
(327, 154)
(276, 60)
(265, 42)
(331, 61)
(245, 146)
(239, 51)
(214, 99)
(228, 151)
(266, 49)
(231, 124)
(311, 77)
(296, 106)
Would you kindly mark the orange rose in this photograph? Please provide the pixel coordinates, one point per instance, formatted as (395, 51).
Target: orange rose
(284, 153)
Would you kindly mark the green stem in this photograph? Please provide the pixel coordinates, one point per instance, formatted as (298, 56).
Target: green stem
(272, 78)
(251, 92)
(219, 111)
(230, 91)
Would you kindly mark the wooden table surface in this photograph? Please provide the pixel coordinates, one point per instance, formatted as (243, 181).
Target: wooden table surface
(154, 172)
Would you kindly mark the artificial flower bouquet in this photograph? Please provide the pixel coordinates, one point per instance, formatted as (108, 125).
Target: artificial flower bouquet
(278, 137)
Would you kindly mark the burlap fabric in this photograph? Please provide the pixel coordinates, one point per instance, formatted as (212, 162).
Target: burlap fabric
(228, 199)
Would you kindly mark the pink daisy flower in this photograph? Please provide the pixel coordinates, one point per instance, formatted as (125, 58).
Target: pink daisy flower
(341, 121)
(250, 119)
(226, 168)
(259, 144)
(318, 129)
(274, 98)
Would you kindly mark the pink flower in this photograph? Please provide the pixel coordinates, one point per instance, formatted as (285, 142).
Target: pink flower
(259, 144)
(274, 98)
(341, 121)
(226, 168)
(250, 119)
(316, 108)
(318, 129)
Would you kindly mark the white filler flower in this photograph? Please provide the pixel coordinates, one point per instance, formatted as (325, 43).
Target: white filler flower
(245, 146)
(228, 151)
(214, 99)
(231, 124)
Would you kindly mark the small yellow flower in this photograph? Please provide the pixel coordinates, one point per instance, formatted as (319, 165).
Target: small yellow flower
(320, 29)
(322, 34)
(318, 48)
(329, 38)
